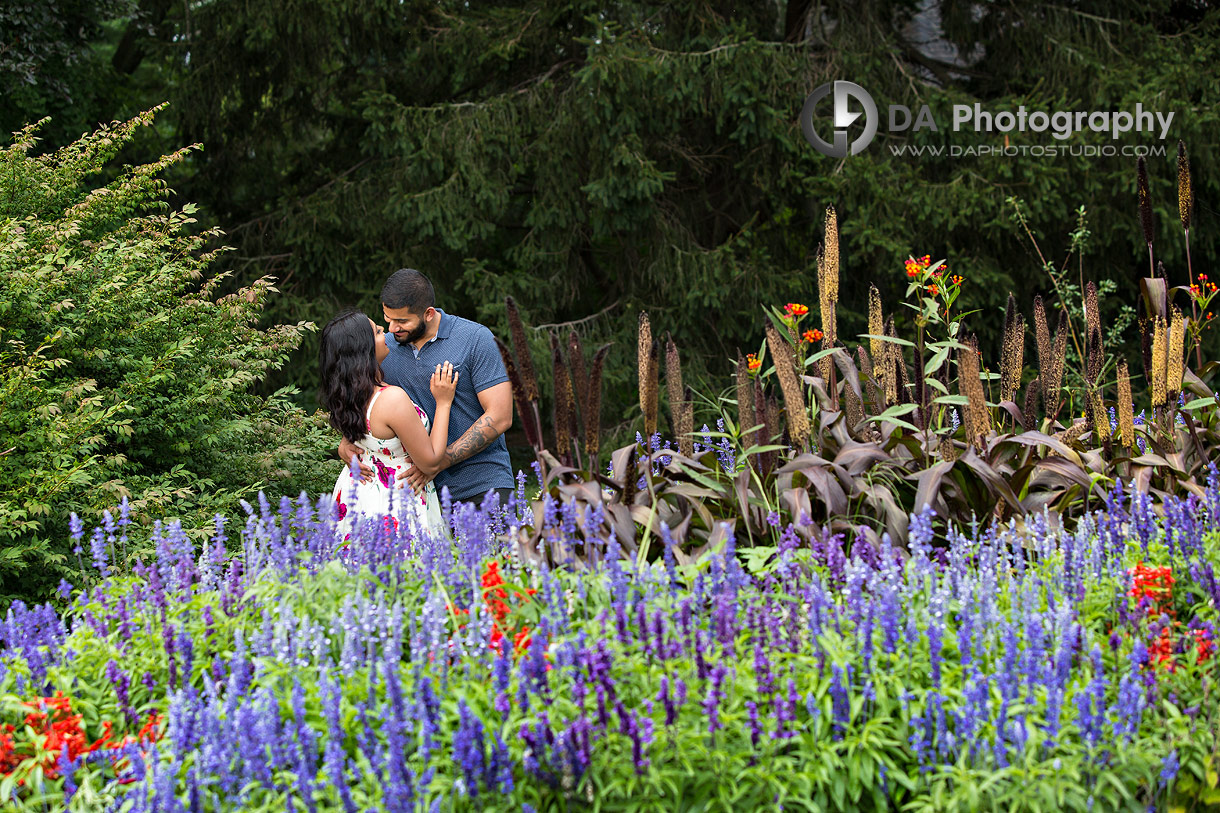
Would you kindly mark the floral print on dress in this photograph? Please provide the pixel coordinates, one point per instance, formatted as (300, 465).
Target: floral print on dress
(385, 473)
(381, 495)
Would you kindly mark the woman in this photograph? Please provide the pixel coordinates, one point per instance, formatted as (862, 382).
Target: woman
(390, 430)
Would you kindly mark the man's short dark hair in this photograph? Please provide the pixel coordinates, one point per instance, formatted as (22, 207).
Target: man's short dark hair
(408, 288)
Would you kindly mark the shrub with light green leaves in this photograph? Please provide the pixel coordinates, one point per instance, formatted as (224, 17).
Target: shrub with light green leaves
(122, 371)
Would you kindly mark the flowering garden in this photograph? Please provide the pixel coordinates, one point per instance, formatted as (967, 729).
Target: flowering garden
(1016, 668)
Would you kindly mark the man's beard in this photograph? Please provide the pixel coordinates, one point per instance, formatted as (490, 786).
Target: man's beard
(414, 335)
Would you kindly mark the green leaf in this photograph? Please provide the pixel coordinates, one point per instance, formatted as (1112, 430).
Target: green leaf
(821, 354)
(891, 339)
(891, 415)
(936, 361)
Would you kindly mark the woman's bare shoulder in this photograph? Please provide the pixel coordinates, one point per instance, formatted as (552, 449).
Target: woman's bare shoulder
(392, 393)
(395, 400)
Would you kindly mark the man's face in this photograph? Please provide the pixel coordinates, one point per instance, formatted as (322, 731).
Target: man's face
(406, 326)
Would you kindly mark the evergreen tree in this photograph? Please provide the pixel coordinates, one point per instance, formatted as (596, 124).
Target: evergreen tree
(595, 159)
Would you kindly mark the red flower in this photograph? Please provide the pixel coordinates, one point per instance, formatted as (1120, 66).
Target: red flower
(1160, 650)
(1154, 584)
(152, 729)
(56, 727)
(522, 639)
(9, 758)
(496, 597)
(1204, 645)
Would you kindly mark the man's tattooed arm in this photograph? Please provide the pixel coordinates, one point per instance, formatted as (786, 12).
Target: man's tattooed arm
(497, 403)
(477, 438)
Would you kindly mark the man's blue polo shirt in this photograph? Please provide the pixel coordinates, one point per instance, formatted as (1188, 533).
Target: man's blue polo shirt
(471, 349)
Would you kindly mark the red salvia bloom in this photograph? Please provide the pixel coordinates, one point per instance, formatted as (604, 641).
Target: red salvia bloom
(55, 726)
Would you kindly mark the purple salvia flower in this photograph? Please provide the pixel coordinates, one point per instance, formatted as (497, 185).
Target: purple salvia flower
(499, 774)
(97, 546)
(725, 453)
(1143, 520)
(186, 651)
(169, 639)
(921, 533)
(671, 709)
(1091, 703)
(1169, 768)
(638, 736)
(1211, 495)
(67, 769)
(840, 695)
(785, 712)
(724, 621)
(305, 751)
(469, 749)
(428, 713)
(121, 684)
(502, 668)
(711, 704)
(400, 786)
(762, 662)
(755, 727)
(77, 528)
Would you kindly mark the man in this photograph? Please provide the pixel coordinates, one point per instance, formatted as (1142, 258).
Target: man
(420, 336)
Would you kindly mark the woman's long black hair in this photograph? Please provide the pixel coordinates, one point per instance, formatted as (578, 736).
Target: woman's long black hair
(350, 373)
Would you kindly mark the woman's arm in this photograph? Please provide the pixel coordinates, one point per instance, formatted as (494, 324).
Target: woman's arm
(440, 429)
(425, 450)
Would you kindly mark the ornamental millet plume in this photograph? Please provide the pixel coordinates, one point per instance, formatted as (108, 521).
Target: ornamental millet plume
(1160, 355)
(1012, 356)
(1186, 192)
(790, 384)
(1126, 408)
(1145, 207)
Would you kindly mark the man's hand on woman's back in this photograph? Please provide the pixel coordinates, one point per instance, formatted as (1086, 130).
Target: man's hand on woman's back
(347, 450)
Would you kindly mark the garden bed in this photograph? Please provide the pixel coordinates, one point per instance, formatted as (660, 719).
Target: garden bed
(990, 668)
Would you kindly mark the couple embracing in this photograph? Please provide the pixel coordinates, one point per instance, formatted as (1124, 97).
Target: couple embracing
(398, 396)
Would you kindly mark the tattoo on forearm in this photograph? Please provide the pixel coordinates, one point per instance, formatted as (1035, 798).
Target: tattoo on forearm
(477, 438)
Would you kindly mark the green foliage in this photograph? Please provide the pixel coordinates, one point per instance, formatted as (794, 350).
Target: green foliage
(50, 63)
(121, 373)
(601, 160)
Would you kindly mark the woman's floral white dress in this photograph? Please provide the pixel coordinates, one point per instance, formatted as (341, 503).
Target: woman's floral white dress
(383, 494)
